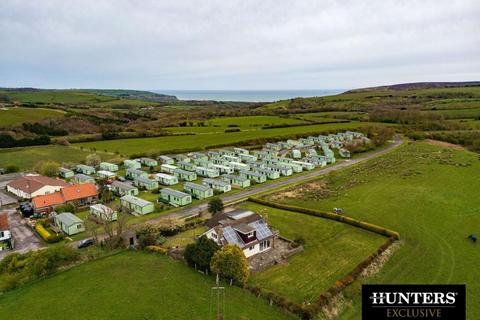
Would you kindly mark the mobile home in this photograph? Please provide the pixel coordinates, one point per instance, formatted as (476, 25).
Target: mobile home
(184, 175)
(255, 176)
(104, 174)
(133, 164)
(149, 162)
(235, 180)
(197, 190)
(175, 197)
(69, 223)
(238, 166)
(137, 206)
(66, 173)
(168, 168)
(103, 212)
(135, 173)
(305, 165)
(207, 172)
(166, 179)
(107, 166)
(81, 168)
(247, 157)
(222, 169)
(83, 178)
(144, 182)
(122, 189)
(189, 166)
(166, 160)
(271, 174)
(217, 184)
(240, 151)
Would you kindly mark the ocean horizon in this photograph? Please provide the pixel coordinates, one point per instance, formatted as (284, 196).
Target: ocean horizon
(248, 95)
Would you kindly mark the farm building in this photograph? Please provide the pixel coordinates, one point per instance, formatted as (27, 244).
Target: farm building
(31, 186)
(166, 160)
(243, 228)
(189, 166)
(65, 173)
(81, 168)
(175, 197)
(237, 181)
(108, 166)
(83, 178)
(166, 179)
(135, 173)
(145, 183)
(123, 189)
(238, 166)
(5, 232)
(136, 206)
(149, 162)
(185, 175)
(269, 173)
(197, 190)
(167, 168)
(69, 223)
(104, 174)
(255, 176)
(132, 164)
(207, 172)
(240, 151)
(217, 184)
(79, 195)
(222, 169)
(103, 212)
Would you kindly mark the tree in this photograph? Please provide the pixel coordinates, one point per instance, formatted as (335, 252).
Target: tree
(106, 194)
(11, 168)
(215, 206)
(93, 160)
(47, 168)
(230, 263)
(199, 255)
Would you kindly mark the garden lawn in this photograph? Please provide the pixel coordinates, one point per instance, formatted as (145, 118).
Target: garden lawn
(430, 194)
(332, 250)
(14, 116)
(130, 285)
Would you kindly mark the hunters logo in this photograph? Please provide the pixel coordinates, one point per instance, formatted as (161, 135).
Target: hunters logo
(438, 302)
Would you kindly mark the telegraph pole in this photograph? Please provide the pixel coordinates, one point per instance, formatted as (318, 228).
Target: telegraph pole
(220, 299)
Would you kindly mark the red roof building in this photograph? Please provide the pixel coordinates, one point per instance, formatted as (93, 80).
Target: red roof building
(28, 187)
(78, 194)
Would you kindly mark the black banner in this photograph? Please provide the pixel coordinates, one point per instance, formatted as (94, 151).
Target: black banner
(392, 302)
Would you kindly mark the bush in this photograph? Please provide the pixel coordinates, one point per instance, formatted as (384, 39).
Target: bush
(199, 255)
(229, 130)
(230, 263)
(12, 168)
(298, 241)
(46, 235)
(156, 249)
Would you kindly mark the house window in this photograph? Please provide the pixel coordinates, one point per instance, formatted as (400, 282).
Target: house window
(251, 248)
(265, 244)
(79, 226)
(1, 234)
(214, 235)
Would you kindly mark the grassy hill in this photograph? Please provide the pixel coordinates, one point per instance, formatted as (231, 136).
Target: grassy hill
(12, 116)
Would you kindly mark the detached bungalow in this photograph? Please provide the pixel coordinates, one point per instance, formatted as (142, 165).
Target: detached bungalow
(135, 173)
(217, 184)
(123, 189)
(166, 160)
(28, 187)
(168, 168)
(143, 182)
(69, 223)
(103, 212)
(166, 179)
(149, 162)
(207, 172)
(237, 181)
(255, 176)
(108, 166)
(197, 190)
(66, 173)
(83, 178)
(133, 164)
(185, 175)
(136, 206)
(175, 197)
(81, 168)
(79, 195)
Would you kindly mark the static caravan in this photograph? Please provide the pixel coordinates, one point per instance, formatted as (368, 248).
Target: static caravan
(201, 163)
(285, 160)
(168, 168)
(133, 164)
(103, 212)
(175, 197)
(197, 190)
(207, 172)
(222, 168)
(255, 176)
(135, 173)
(219, 161)
(65, 173)
(247, 157)
(166, 179)
(297, 168)
(198, 156)
(149, 162)
(83, 178)
(181, 157)
(236, 181)
(166, 160)
(69, 223)
(189, 166)
(226, 152)
(344, 153)
(239, 151)
(283, 169)
(81, 168)
(184, 175)
(305, 165)
(137, 206)
(320, 161)
(213, 154)
(217, 184)
(270, 161)
(238, 166)
(231, 158)
(296, 154)
(144, 182)
(271, 152)
(271, 174)
(107, 166)
(105, 174)
(273, 146)
(122, 189)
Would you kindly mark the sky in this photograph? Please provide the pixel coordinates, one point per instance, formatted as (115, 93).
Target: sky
(237, 45)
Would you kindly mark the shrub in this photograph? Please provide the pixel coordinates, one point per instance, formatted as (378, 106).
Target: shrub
(46, 235)
(199, 254)
(12, 168)
(298, 241)
(229, 130)
(156, 249)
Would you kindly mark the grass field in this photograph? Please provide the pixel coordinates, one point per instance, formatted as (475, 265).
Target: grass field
(27, 157)
(130, 285)
(167, 143)
(19, 115)
(332, 250)
(427, 193)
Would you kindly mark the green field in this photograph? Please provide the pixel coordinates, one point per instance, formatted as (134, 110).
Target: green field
(19, 115)
(427, 193)
(332, 250)
(167, 143)
(27, 157)
(457, 113)
(129, 286)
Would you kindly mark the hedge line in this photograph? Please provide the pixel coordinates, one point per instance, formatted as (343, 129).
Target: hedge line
(329, 215)
(45, 235)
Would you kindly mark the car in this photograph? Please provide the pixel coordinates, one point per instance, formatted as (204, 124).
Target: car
(121, 179)
(85, 243)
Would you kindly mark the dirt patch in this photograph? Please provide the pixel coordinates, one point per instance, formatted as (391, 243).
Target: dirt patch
(299, 191)
(444, 144)
(380, 261)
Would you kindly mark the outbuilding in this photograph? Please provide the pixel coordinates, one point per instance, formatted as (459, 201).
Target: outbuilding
(69, 223)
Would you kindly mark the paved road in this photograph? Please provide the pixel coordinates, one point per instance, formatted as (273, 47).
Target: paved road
(185, 212)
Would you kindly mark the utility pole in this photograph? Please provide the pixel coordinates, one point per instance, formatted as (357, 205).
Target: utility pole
(220, 299)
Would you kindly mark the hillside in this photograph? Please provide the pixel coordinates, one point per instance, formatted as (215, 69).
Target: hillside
(420, 86)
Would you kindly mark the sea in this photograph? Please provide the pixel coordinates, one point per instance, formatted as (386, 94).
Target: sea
(248, 95)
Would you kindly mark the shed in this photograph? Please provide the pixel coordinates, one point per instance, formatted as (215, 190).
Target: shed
(136, 206)
(166, 179)
(108, 166)
(197, 190)
(103, 212)
(175, 197)
(69, 223)
(122, 189)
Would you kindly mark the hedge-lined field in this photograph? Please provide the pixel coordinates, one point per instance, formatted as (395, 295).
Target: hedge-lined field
(19, 115)
(430, 195)
(130, 285)
(332, 250)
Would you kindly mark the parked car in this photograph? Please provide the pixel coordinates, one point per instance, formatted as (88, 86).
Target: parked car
(121, 178)
(85, 243)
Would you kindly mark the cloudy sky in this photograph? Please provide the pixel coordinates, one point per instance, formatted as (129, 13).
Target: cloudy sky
(244, 44)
